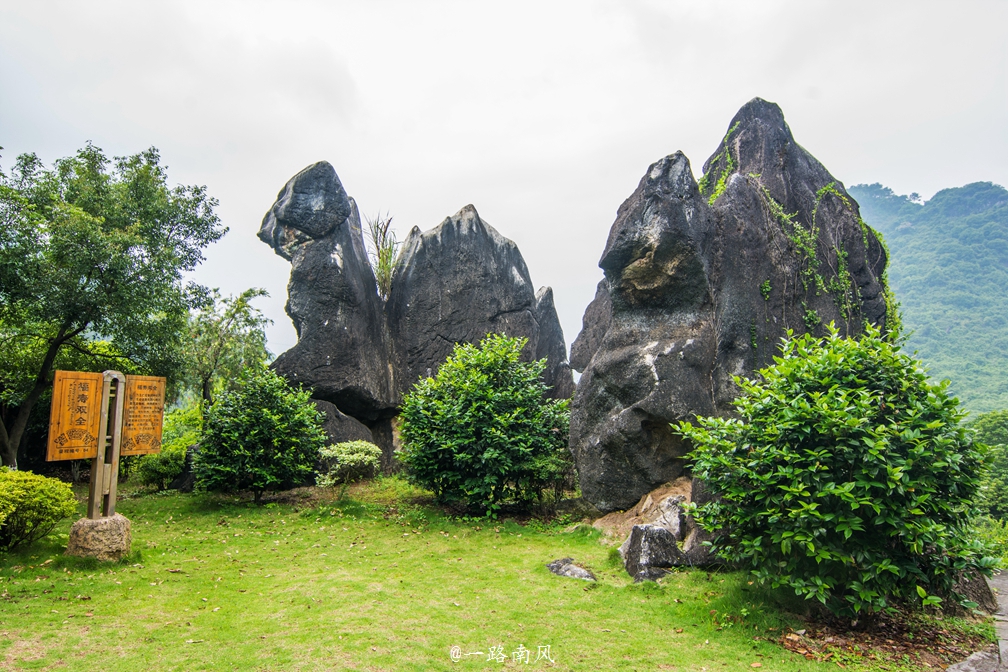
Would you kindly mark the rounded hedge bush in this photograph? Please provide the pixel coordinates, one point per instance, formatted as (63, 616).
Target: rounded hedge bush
(31, 506)
(482, 432)
(846, 476)
(343, 463)
(262, 436)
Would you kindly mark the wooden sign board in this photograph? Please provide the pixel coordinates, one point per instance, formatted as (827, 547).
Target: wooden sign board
(143, 415)
(74, 420)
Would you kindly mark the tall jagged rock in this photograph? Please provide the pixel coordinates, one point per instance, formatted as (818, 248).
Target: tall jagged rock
(458, 282)
(341, 353)
(594, 326)
(701, 282)
(455, 283)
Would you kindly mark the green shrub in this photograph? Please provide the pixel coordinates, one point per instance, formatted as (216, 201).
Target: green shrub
(846, 476)
(182, 428)
(31, 506)
(482, 432)
(263, 436)
(993, 534)
(158, 470)
(992, 429)
(346, 462)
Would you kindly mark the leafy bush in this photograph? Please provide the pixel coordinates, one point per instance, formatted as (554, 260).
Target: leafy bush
(263, 436)
(482, 432)
(182, 428)
(31, 506)
(992, 429)
(846, 476)
(993, 534)
(345, 462)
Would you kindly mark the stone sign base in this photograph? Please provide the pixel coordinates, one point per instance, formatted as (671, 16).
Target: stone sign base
(106, 539)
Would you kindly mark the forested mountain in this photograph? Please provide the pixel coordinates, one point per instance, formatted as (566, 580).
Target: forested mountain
(949, 270)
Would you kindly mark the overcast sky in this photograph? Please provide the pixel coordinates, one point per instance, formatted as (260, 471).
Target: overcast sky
(543, 115)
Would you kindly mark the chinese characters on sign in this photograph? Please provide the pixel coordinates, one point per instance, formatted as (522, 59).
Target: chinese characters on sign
(497, 654)
(74, 421)
(143, 415)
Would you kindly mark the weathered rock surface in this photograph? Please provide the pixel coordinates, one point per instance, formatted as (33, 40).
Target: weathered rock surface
(333, 300)
(455, 283)
(340, 427)
(663, 507)
(458, 282)
(107, 539)
(650, 548)
(701, 282)
(594, 326)
(567, 567)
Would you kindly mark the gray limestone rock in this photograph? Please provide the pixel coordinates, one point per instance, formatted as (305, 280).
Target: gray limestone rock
(567, 567)
(455, 283)
(458, 282)
(650, 547)
(701, 282)
(339, 427)
(341, 353)
(594, 326)
(107, 539)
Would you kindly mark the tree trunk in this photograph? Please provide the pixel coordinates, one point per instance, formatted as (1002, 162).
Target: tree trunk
(7, 458)
(206, 390)
(258, 495)
(10, 440)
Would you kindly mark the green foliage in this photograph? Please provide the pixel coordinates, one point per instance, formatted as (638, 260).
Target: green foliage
(948, 265)
(482, 432)
(262, 436)
(31, 506)
(993, 534)
(992, 430)
(810, 317)
(846, 476)
(225, 337)
(159, 469)
(765, 289)
(383, 251)
(183, 427)
(723, 172)
(92, 259)
(345, 462)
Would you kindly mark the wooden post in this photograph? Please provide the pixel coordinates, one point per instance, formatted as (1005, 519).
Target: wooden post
(105, 466)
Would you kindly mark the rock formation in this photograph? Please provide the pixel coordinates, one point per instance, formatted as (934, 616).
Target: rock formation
(570, 569)
(701, 282)
(359, 355)
(333, 300)
(457, 283)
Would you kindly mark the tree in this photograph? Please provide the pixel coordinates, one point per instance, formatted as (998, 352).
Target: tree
(92, 255)
(482, 432)
(261, 436)
(225, 338)
(846, 476)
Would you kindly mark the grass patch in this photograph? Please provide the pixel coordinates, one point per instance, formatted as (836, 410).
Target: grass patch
(379, 580)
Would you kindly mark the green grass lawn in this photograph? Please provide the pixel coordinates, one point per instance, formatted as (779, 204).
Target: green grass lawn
(373, 582)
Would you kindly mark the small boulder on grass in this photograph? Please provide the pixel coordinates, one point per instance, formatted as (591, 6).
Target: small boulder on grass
(567, 567)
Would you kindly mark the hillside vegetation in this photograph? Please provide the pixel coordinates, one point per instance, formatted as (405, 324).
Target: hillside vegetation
(949, 270)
